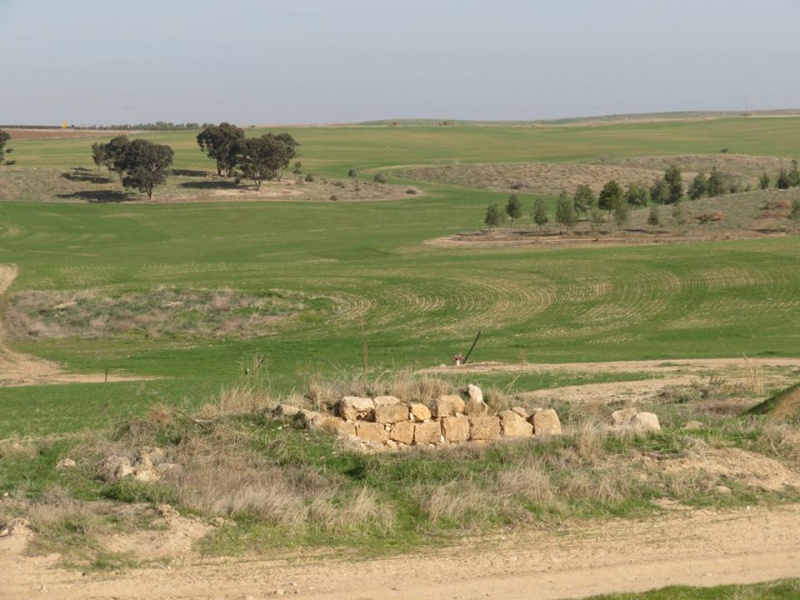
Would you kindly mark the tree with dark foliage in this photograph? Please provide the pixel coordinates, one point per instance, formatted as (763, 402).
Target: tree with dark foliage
(220, 142)
(265, 157)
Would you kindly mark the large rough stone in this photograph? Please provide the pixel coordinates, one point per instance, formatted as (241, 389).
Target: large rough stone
(622, 417)
(447, 406)
(354, 408)
(311, 419)
(338, 426)
(146, 474)
(403, 432)
(371, 432)
(645, 421)
(475, 393)
(65, 464)
(420, 412)
(428, 433)
(157, 455)
(512, 425)
(390, 413)
(385, 400)
(521, 411)
(455, 429)
(116, 467)
(546, 422)
(484, 428)
(285, 411)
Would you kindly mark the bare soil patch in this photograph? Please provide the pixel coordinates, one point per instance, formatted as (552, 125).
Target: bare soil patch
(703, 548)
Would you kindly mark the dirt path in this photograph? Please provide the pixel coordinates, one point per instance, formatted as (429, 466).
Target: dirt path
(23, 369)
(681, 547)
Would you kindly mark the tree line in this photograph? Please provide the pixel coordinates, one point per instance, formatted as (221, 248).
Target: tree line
(144, 165)
(617, 202)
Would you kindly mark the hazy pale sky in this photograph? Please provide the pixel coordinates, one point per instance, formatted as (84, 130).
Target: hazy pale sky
(326, 61)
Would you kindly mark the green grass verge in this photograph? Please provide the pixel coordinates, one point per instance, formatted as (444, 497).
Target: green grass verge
(787, 589)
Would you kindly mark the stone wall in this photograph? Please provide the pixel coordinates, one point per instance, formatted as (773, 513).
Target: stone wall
(389, 423)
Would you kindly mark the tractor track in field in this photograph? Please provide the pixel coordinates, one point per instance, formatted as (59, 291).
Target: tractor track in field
(23, 369)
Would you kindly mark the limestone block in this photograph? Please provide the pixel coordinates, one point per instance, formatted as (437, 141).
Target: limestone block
(285, 411)
(390, 413)
(403, 432)
(420, 412)
(447, 406)
(371, 432)
(521, 411)
(645, 421)
(484, 428)
(354, 408)
(475, 393)
(386, 400)
(513, 425)
(546, 422)
(116, 467)
(455, 429)
(428, 433)
(623, 417)
(338, 426)
(311, 419)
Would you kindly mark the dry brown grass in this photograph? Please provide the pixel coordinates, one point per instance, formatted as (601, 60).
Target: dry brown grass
(321, 393)
(163, 311)
(530, 482)
(551, 178)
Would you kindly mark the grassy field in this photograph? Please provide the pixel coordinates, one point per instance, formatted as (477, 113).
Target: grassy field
(417, 303)
(358, 282)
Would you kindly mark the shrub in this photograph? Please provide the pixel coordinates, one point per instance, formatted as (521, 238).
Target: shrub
(352, 173)
(379, 178)
(711, 215)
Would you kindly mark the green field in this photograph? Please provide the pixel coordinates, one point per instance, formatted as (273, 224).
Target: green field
(416, 303)
(353, 297)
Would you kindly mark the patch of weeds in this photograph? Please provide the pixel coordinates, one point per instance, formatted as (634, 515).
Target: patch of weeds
(162, 312)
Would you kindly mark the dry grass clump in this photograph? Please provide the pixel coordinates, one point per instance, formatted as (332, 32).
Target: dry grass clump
(530, 482)
(237, 484)
(780, 439)
(322, 393)
(463, 502)
(163, 311)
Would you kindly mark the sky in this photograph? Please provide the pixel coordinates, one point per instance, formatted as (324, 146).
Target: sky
(101, 62)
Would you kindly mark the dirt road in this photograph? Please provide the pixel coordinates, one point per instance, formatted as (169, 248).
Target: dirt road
(681, 547)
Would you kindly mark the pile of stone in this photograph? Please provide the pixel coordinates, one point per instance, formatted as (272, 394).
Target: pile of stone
(389, 423)
(147, 464)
